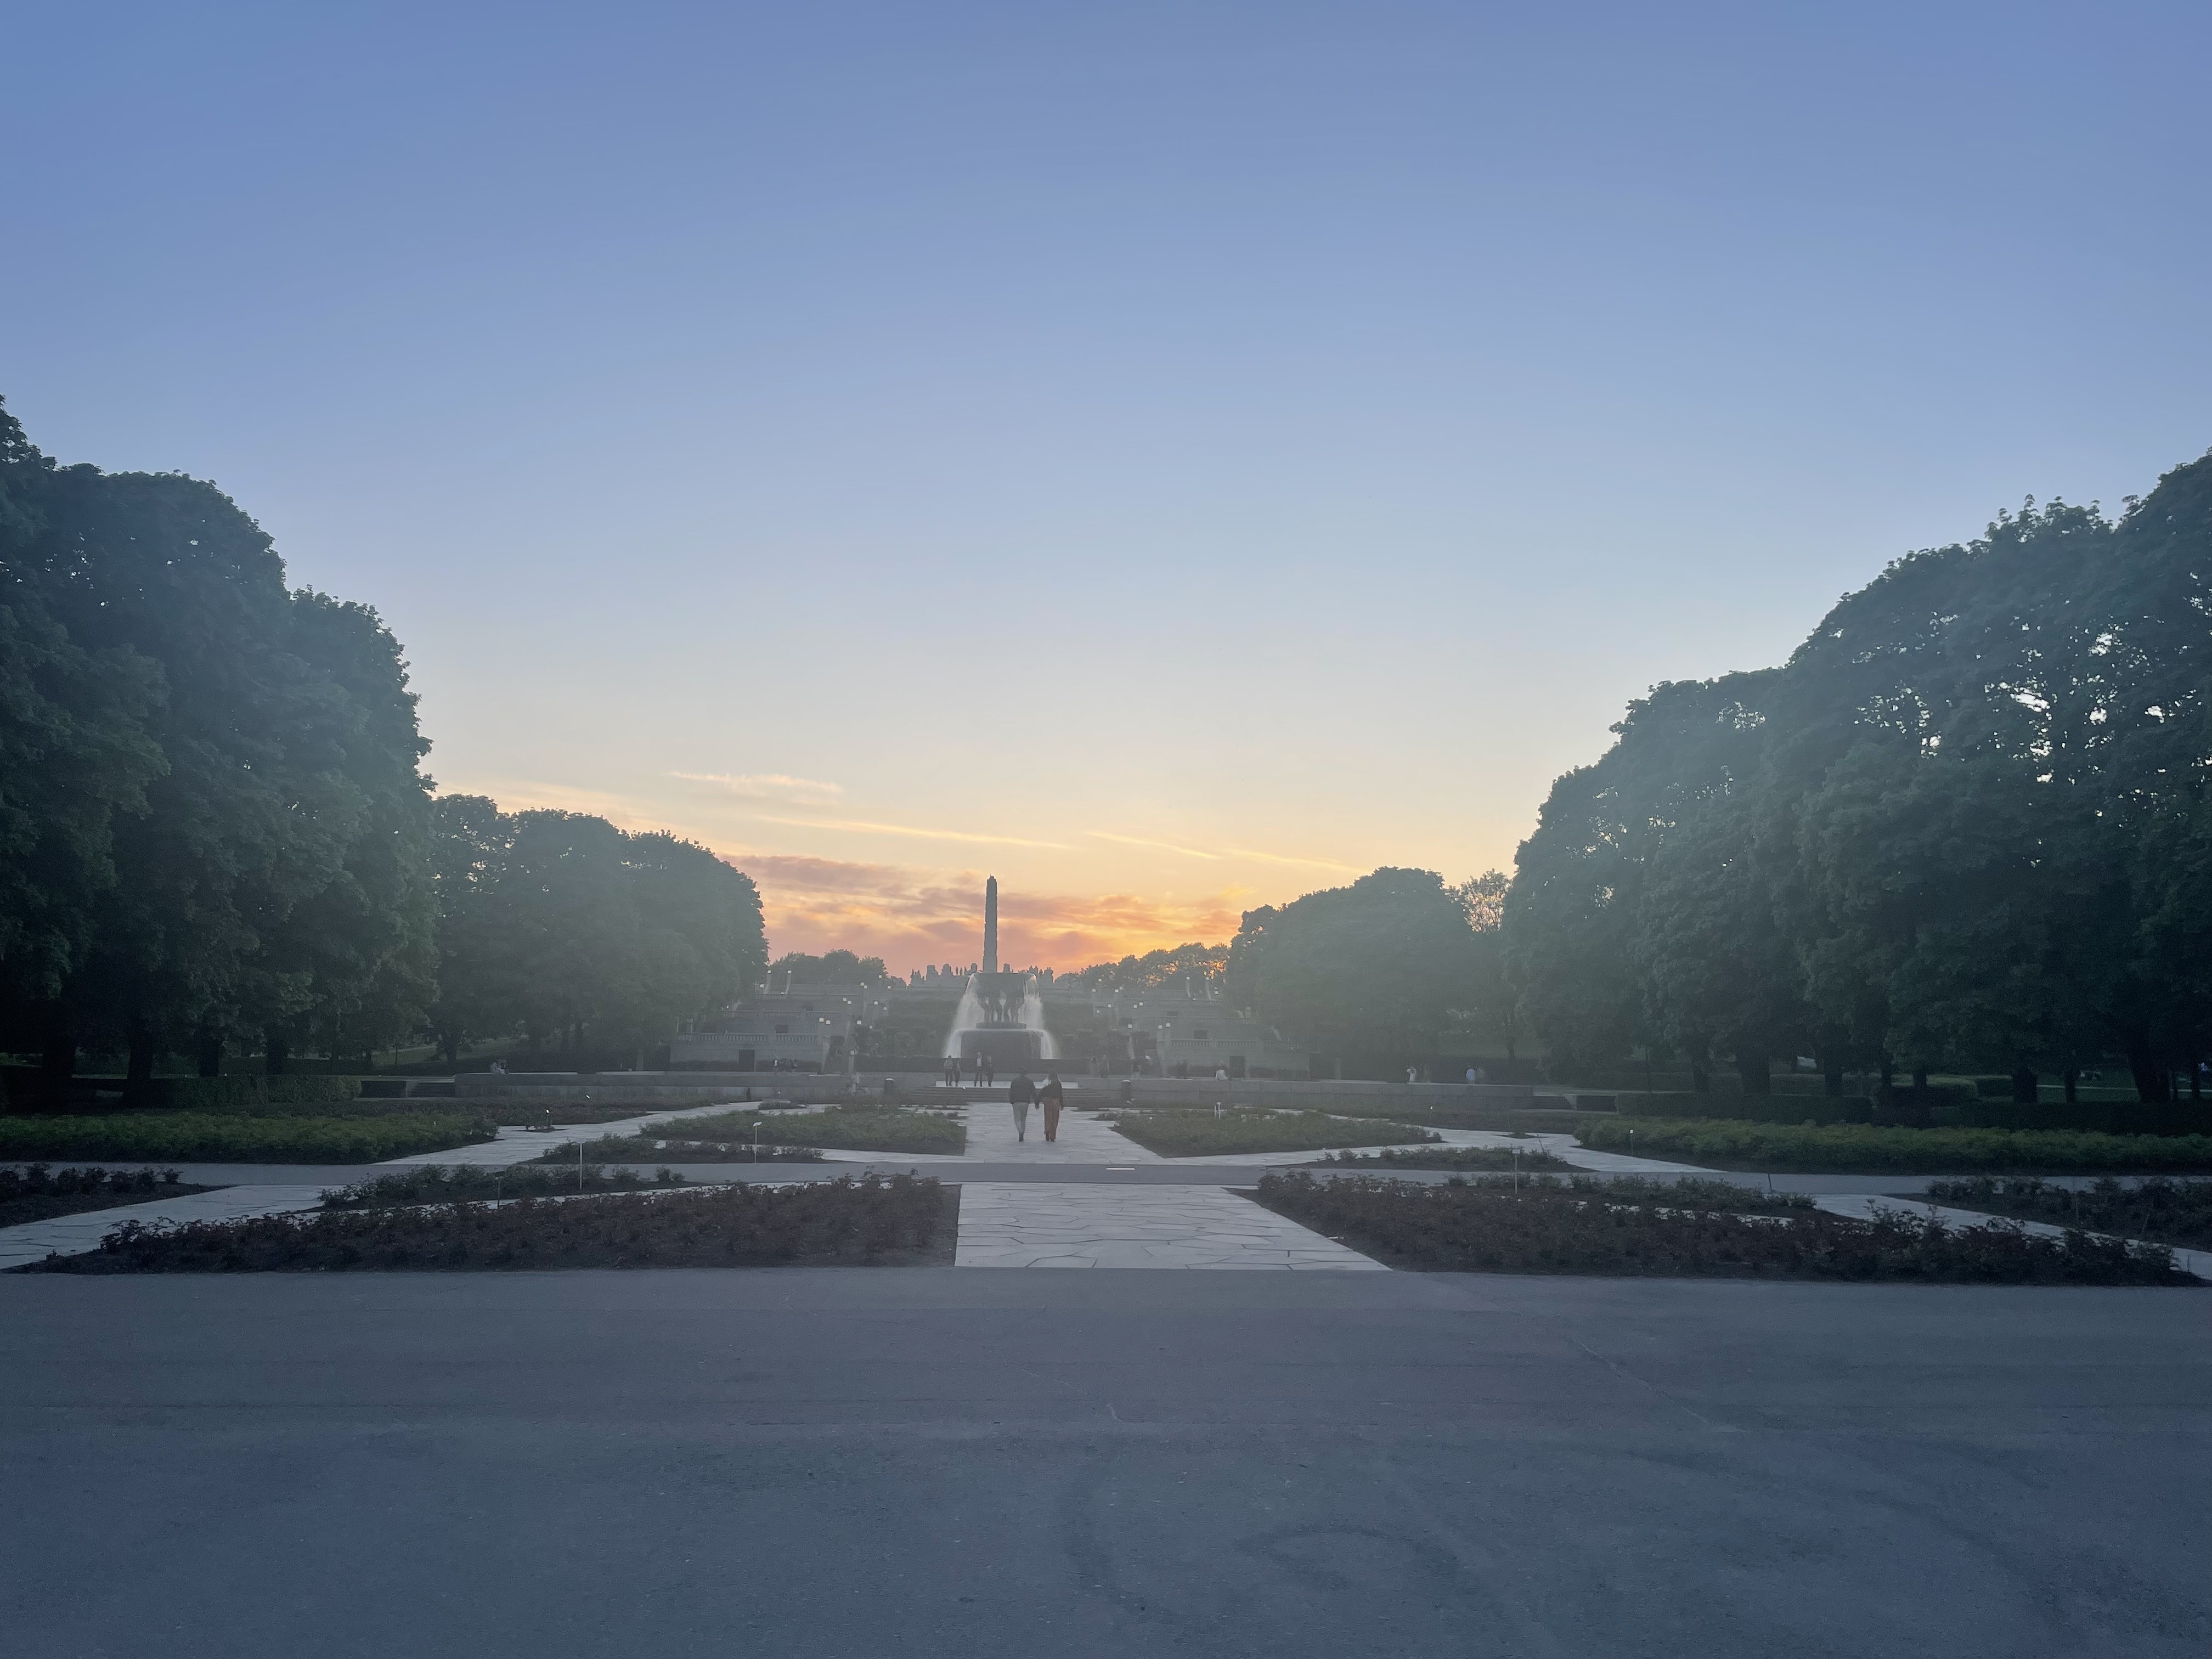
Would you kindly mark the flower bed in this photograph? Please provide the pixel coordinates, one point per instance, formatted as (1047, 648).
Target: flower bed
(728, 1137)
(1197, 1135)
(1861, 1148)
(1548, 1226)
(870, 1221)
(40, 1194)
(453, 1183)
(199, 1136)
(2167, 1212)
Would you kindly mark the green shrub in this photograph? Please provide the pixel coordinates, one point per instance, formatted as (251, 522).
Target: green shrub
(1584, 1227)
(1198, 1134)
(40, 1194)
(2169, 1211)
(200, 1137)
(1863, 1148)
(729, 1136)
(250, 1094)
(455, 1183)
(868, 1222)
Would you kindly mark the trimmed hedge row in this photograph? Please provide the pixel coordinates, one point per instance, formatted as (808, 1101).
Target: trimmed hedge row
(206, 1138)
(1863, 1148)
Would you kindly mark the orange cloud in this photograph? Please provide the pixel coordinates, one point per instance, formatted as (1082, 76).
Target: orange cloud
(913, 917)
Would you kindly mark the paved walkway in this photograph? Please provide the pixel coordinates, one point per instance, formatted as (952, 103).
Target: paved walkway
(78, 1234)
(1040, 1225)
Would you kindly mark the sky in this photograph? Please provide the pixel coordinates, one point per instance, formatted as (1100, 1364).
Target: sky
(1171, 457)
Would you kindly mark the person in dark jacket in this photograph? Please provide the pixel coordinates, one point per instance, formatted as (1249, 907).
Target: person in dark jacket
(1052, 1097)
(1021, 1092)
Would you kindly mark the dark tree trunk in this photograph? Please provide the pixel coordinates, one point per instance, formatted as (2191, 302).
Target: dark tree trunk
(210, 1053)
(2196, 1081)
(1701, 1080)
(1888, 1073)
(1752, 1069)
(138, 1073)
(1832, 1070)
(1920, 1112)
(2152, 1082)
(452, 1050)
(2072, 1083)
(278, 1050)
(58, 1058)
(2023, 1087)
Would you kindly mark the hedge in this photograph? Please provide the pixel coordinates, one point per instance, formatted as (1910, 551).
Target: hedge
(206, 1138)
(1547, 1226)
(1865, 1148)
(864, 1223)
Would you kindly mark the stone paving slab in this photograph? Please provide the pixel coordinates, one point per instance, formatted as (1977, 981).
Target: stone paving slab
(1037, 1224)
(75, 1234)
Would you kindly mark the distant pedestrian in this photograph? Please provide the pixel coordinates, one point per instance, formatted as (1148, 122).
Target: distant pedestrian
(987, 1070)
(1411, 1076)
(1053, 1097)
(1020, 1093)
(1470, 1074)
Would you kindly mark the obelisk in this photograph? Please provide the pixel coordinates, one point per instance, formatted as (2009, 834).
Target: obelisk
(991, 926)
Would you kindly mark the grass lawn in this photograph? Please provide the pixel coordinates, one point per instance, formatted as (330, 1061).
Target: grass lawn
(2177, 1213)
(1194, 1134)
(1499, 1158)
(208, 1138)
(40, 1194)
(1862, 1149)
(1652, 1228)
(728, 1137)
(901, 1222)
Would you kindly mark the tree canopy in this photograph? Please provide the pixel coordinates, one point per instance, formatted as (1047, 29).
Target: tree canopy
(1966, 824)
(214, 828)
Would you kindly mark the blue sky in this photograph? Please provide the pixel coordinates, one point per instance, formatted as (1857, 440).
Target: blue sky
(1172, 456)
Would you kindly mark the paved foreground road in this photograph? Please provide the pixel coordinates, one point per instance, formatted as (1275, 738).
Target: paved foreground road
(1098, 1464)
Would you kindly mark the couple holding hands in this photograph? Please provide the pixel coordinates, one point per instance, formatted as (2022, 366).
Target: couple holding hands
(1048, 1094)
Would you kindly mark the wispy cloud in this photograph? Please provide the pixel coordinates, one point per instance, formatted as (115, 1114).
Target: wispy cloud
(1223, 852)
(1162, 846)
(769, 785)
(916, 831)
(1285, 858)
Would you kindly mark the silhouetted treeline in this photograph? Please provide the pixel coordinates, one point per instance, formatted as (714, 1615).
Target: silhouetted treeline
(1965, 825)
(215, 832)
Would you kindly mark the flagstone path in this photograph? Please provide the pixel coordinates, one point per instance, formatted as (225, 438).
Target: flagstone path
(1039, 1224)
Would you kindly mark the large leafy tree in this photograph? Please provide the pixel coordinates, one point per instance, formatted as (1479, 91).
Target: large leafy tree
(1373, 968)
(1966, 824)
(75, 750)
(252, 862)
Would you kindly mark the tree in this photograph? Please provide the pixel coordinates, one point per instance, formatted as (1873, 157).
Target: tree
(75, 750)
(1374, 966)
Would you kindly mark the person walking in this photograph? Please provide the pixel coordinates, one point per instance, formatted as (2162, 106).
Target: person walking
(1020, 1093)
(987, 1070)
(1052, 1097)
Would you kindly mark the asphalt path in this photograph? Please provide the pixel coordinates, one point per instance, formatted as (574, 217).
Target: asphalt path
(940, 1461)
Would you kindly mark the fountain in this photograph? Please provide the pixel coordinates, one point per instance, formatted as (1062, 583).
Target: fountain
(1001, 1017)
